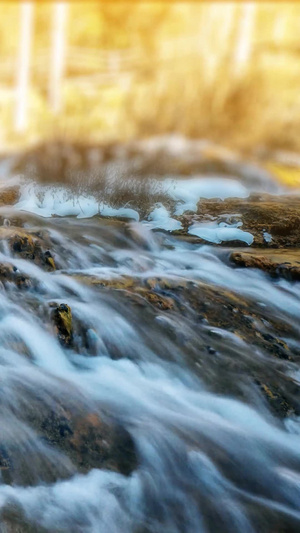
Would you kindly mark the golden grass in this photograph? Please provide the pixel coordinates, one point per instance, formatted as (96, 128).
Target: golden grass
(261, 108)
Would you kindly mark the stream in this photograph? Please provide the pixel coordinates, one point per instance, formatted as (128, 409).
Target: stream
(211, 455)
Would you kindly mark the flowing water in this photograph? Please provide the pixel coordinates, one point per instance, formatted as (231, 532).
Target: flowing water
(211, 456)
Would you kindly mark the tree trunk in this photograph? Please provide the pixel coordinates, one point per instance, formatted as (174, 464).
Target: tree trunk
(245, 37)
(23, 71)
(58, 51)
(280, 27)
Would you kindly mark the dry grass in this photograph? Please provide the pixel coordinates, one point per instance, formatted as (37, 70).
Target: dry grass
(114, 181)
(243, 112)
(261, 107)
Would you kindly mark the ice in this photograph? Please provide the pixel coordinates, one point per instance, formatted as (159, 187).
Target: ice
(160, 218)
(59, 201)
(267, 236)
(123, 212)
(47, 201)
(189, 191)
(220, 233)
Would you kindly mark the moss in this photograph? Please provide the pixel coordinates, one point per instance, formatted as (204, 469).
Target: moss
(62, 318)
(49, 260)
(162, 302)
(276, 400)
(29, 245)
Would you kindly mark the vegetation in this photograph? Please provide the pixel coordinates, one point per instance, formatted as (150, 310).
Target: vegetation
(226, 71)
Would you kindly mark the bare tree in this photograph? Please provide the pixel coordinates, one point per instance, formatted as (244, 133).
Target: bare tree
(226, 24)
(245, 37)
(58, 52)
(23, 68)
(215, 33)
(286, 26)
(209, 57)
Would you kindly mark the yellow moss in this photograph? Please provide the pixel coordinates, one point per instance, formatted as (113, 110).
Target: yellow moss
(51, 262)
(164, 283)
(119, 283)
(162, 302)
(65, 319)
(268, 392)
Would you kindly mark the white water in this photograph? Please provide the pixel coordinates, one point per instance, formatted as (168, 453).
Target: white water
(206, 462)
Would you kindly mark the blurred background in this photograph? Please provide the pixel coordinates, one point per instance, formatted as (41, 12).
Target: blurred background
(98, 72)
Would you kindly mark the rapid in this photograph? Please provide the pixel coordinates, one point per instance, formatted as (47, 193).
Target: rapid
(210, 453)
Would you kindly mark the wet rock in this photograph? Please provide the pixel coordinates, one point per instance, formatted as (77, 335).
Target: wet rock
(70, 432)
(10, 274)
(88, 440)
(26, 459)
(23, 244)
(14, 519)
(211, 350)
(215, 306)
(94, 444)
(276, 399)
(277, 263)
(64, 441)
(261, 215)
(49, 260)
(228, 339)
(164, 303)
(134, 287)
(28, 245)
(62, 319)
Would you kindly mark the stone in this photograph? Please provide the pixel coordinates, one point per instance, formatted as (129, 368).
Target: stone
(62, 319)
(277, 263)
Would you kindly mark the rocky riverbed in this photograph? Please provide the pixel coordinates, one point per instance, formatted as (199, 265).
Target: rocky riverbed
(150, 362)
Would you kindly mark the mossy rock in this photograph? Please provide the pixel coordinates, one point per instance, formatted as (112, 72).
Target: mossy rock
(62, 319)
(29, 245)
(10, 274)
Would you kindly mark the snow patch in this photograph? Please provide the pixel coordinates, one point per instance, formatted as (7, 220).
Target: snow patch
(122, 212)
(220, 233)
(189, 192)
(267, 236)
(160, 218)
(47, 202)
